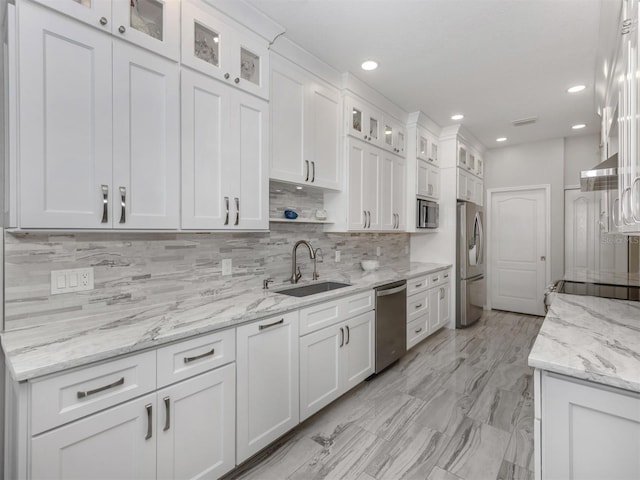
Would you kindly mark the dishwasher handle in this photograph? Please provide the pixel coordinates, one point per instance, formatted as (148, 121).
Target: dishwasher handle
(391, 291)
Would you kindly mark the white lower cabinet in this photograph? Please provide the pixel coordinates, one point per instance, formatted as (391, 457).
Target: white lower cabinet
(267, 382)
(334, 360)
(195, 426)
(439, 310)
(428, 306)
(588, 431)
(118, 443)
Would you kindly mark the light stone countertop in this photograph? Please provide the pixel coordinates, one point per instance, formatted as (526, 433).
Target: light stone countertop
(591, 338)
(44, 349)
(611, 278)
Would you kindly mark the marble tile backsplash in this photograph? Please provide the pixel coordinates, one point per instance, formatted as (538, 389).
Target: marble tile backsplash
(133, 269)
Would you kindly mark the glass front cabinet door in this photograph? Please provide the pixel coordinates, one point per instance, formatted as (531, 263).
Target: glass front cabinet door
(217, 47)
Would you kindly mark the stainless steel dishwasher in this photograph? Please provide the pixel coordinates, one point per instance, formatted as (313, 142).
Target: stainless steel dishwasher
(391, 323)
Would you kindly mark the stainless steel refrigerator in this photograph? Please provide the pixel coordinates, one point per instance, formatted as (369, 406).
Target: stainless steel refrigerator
(470, 252)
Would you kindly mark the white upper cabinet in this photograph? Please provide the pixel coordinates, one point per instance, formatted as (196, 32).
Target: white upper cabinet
(90, 158)
(146, 140)
(224, 156)
(364, 122)
(222, 49)
(426, 146)
(394, 137)
(399, 193)
(151, 24)
(305, 133)
(428, 180)
(364, 170)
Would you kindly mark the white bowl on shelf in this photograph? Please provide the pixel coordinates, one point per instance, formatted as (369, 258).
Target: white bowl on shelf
(369, 265)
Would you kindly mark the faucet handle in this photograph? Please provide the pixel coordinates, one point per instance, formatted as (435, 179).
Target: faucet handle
(298, 275)
(265, 283)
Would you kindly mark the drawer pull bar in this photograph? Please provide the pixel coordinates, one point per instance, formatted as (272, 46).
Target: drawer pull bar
(279, 322)
(419, 330)
(418, 285)
(167, 408)
(149, 408)
(418, 306)
(348, 335)
(101, 389)
(198, 357)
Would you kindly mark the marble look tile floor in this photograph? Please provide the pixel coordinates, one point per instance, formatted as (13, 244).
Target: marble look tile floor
(459, 406)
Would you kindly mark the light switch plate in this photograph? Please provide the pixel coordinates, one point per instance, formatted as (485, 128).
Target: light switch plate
(73, 280)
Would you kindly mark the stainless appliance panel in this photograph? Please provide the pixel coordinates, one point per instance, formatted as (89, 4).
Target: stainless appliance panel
(391, 324)
(470, 295)
(428, 214)
(470, 245)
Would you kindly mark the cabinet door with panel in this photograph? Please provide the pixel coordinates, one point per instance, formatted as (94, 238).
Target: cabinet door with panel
(364, 172)
(63, 183)
(196, 426)
(358, 350)
(218, 47)
(267, 382)
(399, 193)
(117, 443)
(320, 369)
(444, 305)
(364, 122)
(93, 12)
(146, 135)
(387, 183)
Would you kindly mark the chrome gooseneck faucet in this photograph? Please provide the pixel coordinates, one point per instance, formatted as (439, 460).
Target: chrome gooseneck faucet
(295, 270)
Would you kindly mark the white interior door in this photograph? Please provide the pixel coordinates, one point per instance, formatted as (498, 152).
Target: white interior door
(519, 238)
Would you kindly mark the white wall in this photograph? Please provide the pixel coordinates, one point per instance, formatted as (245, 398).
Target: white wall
(580, 153)
(537, 163)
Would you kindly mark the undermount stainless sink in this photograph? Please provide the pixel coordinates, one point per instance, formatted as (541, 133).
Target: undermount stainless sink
(312, 289)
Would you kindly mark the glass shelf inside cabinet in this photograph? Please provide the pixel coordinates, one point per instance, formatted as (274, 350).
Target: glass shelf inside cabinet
(146, 16)
(249, 66)
(434, 152)
(373, 128)
(422, 147)
(206, 45)
(388, 135)
(356, 120)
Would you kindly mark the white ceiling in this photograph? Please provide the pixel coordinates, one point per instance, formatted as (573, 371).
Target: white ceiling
(493, 60)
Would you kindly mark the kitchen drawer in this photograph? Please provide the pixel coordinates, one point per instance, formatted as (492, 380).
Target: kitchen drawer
(417, 305)
(68, 396)
(331, 312)
(185, 359)
(417, 330)
(418, 284)
(439, 278)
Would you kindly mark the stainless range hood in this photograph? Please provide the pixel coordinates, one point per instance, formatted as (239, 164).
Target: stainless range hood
(603, 176)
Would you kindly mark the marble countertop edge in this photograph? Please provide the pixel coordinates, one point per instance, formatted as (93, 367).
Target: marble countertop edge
(46, 349)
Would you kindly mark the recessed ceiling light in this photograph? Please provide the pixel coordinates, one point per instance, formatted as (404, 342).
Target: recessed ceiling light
(501, 139)
(369, 65)
(457, 116)
(579, 126)
(576, 88)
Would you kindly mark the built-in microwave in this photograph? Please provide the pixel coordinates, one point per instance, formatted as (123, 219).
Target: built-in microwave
(428, 214)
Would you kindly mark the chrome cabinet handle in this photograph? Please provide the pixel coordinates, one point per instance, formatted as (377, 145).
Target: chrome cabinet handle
(418, 306)
(237, 210)
(237, 80)
(341, 337)
(167, 409)
(435, 279)
(369, 217)
(635, 214)
(364, 214)
(121, 29)
(307, 177)
(348, 334)
(105, 204)
(226, 218)
(627, 22)
(117, 383)
(442, 294)
(226, 76)
(198, 357)
(269, 325)
(625, 212)
(446, 276)
(123, 204)
(313, 170)
(419, 330)
(149, 408)
(103, 20)
(418, 285)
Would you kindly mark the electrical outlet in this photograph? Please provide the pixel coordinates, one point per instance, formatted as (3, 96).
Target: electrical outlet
(337, 256)
(378, 251)
(226, 266)
(74, 280)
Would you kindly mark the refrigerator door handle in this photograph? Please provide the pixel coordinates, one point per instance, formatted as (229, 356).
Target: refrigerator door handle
(480, 252)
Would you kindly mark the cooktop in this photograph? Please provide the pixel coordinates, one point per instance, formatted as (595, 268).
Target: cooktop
(618, 292)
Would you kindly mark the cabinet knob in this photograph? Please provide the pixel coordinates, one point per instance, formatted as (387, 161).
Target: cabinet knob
(226, 76)
(121, 29)
(237, 80)
(103, 21)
